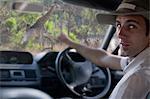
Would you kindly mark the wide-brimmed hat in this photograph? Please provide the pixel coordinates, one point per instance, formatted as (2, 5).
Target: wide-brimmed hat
(127, 7)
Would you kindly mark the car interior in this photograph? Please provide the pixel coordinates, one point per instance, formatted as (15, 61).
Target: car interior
(48, 74)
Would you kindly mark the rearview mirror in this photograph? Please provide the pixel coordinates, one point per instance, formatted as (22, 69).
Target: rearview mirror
(27, 7)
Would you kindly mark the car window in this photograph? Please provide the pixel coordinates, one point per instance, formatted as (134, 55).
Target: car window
(17, 18)
(114, 43)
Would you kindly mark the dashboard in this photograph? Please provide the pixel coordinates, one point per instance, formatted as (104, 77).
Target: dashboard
(22, 69)
(18, 69)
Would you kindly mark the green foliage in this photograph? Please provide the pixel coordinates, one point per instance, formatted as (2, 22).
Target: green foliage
(50, 26)
(34, 46)
(16, 37)
(11, 22)
(29, 19)
(73, 37)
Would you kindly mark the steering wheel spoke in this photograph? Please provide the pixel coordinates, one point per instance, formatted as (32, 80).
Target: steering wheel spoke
(69, 59)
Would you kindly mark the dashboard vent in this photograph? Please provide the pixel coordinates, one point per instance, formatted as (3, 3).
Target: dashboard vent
(30, 74)
(4, 75)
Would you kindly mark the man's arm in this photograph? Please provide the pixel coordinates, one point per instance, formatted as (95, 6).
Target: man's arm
(97, 56)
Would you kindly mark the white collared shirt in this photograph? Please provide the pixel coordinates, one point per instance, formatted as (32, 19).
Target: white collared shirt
(135, 84)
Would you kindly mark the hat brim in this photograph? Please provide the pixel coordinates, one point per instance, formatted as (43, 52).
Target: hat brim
(110, 18)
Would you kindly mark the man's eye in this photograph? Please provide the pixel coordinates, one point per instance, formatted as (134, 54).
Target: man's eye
(131, 26)
(118, 25)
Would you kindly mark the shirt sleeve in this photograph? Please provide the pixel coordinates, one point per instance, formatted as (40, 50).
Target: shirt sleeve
(124, 62)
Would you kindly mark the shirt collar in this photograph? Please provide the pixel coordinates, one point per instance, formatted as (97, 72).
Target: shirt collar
(136, 62)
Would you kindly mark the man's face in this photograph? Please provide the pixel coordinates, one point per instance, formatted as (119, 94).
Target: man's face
(132, 32)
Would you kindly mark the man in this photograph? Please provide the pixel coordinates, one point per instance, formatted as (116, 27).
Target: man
(132, 27)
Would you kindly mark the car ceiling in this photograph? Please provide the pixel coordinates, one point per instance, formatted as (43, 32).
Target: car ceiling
(108, 5)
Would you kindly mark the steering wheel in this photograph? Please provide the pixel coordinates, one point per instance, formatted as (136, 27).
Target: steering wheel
(81, 76)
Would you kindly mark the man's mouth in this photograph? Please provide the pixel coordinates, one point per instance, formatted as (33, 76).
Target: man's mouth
(125, 44)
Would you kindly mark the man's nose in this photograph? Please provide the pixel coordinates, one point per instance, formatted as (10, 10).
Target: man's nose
(121, 32)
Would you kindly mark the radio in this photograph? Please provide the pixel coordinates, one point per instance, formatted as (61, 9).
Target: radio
(17, 74)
